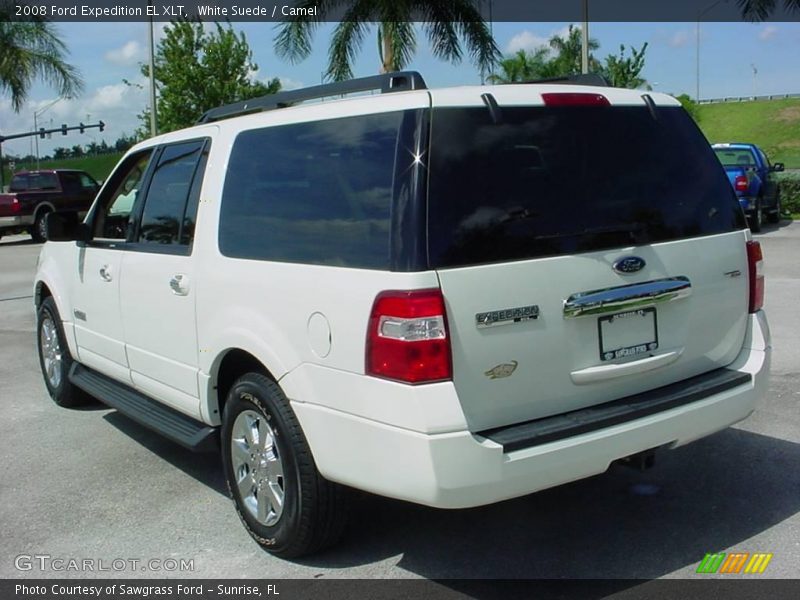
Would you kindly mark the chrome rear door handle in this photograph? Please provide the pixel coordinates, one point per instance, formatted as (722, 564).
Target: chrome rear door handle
(626, 297)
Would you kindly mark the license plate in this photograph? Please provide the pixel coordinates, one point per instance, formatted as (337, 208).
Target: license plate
(628, 333)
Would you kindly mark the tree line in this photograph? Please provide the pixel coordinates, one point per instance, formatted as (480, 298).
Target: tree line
(77, 151)
(196, 70)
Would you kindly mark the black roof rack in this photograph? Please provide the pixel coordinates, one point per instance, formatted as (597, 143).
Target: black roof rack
(576, 79)
(399, 81)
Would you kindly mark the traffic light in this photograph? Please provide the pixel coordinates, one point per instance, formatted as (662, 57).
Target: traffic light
(41, 132)
(81, 127)
(102, 125)
(63, 129)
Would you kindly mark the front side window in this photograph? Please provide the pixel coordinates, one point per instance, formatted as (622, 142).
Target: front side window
(72, 182)
(315, 193)
(87, 182)
(113, 212)
(166, 219)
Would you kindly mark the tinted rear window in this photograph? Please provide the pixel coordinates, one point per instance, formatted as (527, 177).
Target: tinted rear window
(552, 181)
(315, 193)
(736, 157)
(19, 183)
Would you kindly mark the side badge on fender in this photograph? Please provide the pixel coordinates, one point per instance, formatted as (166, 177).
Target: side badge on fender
(501, 371)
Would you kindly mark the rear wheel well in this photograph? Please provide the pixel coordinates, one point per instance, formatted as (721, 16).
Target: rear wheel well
(41, 209)
(235, 364)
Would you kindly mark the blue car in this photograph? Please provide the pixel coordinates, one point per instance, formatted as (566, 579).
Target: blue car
(753, 178)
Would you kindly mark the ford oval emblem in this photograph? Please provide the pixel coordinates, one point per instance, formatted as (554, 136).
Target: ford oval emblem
(629, 264)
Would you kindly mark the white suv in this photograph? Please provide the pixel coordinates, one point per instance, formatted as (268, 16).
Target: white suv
(450, 297)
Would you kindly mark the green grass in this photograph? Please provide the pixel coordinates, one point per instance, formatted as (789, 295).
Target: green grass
(97, 166)
(772, 124)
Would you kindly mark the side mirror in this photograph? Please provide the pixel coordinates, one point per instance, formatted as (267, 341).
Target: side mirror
(777, 167)
(65, 227)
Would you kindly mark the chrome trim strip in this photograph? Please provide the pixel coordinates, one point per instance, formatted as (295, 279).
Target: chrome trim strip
(626, 297)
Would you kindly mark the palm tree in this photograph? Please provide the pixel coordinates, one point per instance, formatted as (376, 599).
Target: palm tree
(568, 52)
(31, 51)
(445, 23)
(760, 10)
(525, 66)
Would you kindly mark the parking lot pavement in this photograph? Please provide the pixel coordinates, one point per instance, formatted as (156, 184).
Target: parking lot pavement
(92, 484)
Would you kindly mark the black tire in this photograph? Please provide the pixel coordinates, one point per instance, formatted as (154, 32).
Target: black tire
(54, 357)
(39, 229)
(775, 215)
(756, 218)
(313, 512)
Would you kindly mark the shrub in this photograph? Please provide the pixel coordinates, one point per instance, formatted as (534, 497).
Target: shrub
(790, 192)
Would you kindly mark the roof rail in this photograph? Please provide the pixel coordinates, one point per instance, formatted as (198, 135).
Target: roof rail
(576, 79)
(399, 81)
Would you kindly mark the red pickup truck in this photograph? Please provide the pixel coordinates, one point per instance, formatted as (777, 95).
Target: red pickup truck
(33, 194)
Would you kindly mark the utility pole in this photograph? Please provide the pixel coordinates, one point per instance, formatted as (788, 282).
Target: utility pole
(36, 115)
(755, 88)
(153, 122)
(697, 63)
(585, 39)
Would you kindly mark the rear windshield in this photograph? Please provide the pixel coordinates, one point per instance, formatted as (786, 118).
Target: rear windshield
(735, 157)
(562, 180)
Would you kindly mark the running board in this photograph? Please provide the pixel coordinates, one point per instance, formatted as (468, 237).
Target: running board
(173, 425)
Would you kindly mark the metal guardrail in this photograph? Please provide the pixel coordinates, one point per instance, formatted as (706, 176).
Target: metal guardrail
(747, 98)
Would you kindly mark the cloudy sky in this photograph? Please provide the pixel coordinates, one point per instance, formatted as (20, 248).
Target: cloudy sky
(108, 53)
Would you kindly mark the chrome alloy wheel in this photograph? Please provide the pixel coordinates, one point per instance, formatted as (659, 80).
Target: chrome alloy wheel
(51, 351)
(258, 467)
(41, 227)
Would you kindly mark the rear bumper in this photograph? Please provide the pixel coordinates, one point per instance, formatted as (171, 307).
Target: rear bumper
(747, 203)
(16, 221)
(460, 469)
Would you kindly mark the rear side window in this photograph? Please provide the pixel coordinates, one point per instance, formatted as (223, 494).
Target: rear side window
(547, 181)
(315, 193)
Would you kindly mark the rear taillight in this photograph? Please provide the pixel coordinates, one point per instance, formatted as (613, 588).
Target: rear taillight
(407, 337)
(755, 263)
(740, 183)
(574, 99)
(15, 205)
